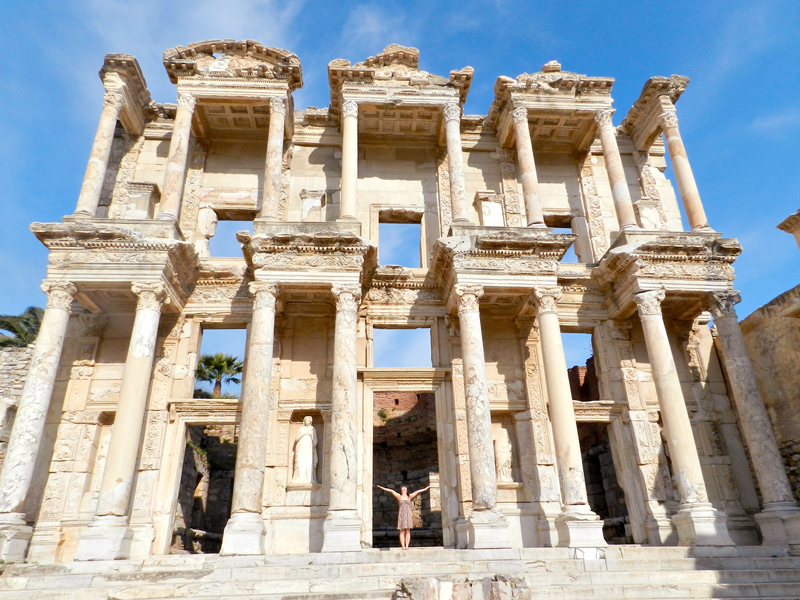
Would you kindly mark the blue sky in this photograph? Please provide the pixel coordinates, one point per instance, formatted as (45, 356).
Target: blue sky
(740, 117)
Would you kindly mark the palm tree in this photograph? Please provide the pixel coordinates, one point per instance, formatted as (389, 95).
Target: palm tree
(219, 368)
(24, 327)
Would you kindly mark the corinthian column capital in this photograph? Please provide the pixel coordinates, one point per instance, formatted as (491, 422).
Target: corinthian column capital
(546, 299)
(187, 102)
(721, 304)
(603, 117)
(348, 296)
(265, 294)
(649, 303)
(519, 115)
(468, 296)
(452, 112)
(114, 99)
(60, 294)
(668, 119)
(151, 296)
(350, 109)
(277, 105)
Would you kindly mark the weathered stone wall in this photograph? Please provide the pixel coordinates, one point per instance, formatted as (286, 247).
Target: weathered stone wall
(14, 364)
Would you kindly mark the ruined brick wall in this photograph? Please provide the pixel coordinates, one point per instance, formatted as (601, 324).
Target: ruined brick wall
(14, 363)
(583, 382)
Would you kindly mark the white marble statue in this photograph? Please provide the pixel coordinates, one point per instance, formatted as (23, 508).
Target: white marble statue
(206, 229)
(305, 453)
(502, 457)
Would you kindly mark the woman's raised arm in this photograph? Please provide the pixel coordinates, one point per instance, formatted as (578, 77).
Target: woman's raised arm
(392, 492)
(418, 492)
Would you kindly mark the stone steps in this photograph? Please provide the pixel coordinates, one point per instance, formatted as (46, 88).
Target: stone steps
(624, 572)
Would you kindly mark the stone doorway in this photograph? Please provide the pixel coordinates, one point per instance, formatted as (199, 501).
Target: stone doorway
(206, 488)
(606, 496)
(405, 452)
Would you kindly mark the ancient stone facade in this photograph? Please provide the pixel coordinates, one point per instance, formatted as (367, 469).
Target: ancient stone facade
(97, 454)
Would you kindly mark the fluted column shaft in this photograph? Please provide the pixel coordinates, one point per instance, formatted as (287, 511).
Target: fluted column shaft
(482, 471)
(342, 529)
(175, 172)
(123, 451)
(616, 174)
(244, 532)
(559, 395)
(348, 202)
(26, 436)
(527, 168)
(455, 163)
(271, 195)
(92, 185)
(753, 418)
(690, 196)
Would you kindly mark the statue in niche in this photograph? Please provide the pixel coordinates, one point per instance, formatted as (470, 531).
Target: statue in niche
(305, 453)
(502, 457)
(206, 229)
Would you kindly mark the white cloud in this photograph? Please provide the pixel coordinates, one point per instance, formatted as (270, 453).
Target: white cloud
(369, 29)
(778, 122)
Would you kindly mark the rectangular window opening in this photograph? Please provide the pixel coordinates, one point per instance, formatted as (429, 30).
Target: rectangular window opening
(401, 348)
(570, 256)
(399, 244)
(219, 366)
(579, 354)
(223, 243)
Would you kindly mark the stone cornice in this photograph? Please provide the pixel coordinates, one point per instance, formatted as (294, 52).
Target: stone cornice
(642, 122)
(121, 72)
(791, 224)
(231, 59)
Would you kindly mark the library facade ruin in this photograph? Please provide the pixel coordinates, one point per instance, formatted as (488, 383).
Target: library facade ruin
(667, 442)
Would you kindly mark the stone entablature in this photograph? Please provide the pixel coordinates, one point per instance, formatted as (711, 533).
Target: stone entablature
(498, 200)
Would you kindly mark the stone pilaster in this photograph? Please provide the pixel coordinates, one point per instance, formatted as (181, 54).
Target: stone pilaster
(697, 521)
(779, 520)
(271, 196)
(244, 532)
(348, 202)
(108, 536)
(26, 436)
(488, 527)
(342, 529)
(92, 185)
(455, 162)
(616, 174)
(527, 168)
(690, 196)
(577, 525)
(175, 172)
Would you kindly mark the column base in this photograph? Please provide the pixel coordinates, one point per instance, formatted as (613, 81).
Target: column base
(341, 531)
(462, 532)
(244, 535)
(702, 229)
(701, 524)
(105, 538)
(537, 226)
(779, 523)
(661, 531)
(488, 529)
(546, 530)
(580, 529)
(15, 535)
(166, 217)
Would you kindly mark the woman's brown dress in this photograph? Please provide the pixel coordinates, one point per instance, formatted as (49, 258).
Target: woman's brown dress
(404, 515)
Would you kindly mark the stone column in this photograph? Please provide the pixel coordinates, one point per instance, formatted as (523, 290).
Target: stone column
(683, 173)
(108, 536)
(697, 521)
(271, 195)
(175, 172)
(780, 519)
(348, 202)
(577, 525)
(26, 436)
(488, 527)
(244, 532)
(98, 158)
(616, 174)
(455, 163)
(527, 168)
(342, 528)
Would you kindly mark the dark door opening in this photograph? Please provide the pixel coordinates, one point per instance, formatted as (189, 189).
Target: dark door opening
(405, 453)
(606, 496)
(206, 489)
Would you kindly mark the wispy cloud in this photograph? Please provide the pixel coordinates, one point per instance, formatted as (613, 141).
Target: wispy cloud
(370, 28)
(777, 123)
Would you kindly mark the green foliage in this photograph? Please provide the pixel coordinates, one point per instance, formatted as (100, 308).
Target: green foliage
(24, 328)
(382, 414)
(219, 368)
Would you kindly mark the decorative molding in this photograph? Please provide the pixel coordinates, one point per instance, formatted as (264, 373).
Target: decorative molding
(186, 102)
(452, 112)
(60, 294)
(277, 105)
(520, 115)
(348, 296)
(546, 299)
(468, 296)
(721, 304)
(114, 98)
(603, 117)
(151, 296)
(350, 109)
(265, 294)
(649, 303)
(668, 119)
